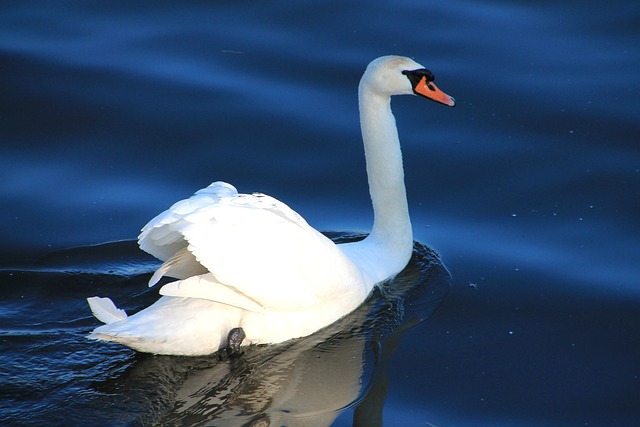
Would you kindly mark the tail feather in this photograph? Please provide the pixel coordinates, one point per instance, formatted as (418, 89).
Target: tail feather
(105, 310)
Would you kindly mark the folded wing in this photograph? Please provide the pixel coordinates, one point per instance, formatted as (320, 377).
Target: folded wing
(258, 254)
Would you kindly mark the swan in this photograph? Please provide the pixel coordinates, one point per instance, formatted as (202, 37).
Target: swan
(251, 270)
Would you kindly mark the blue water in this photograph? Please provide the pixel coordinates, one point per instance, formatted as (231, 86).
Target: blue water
(528, 189)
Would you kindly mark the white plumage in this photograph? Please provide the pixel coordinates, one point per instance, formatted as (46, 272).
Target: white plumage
(250, 261)
(105, 310)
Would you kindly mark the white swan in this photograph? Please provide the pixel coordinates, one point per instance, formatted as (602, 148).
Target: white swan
(251, 262)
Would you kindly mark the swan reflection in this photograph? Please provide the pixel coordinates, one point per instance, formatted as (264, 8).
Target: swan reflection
(303, 382)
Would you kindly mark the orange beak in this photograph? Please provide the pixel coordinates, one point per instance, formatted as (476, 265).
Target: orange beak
(431, 91)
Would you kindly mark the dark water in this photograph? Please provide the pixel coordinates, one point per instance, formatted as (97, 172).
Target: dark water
(529, 189)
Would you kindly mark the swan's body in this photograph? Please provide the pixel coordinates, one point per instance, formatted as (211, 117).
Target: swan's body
(250, 261)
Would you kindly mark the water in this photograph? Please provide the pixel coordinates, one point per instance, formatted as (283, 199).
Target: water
(528, 189)
(56, 375)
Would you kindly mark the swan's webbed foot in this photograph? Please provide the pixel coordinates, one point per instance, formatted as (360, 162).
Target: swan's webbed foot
(234, 339)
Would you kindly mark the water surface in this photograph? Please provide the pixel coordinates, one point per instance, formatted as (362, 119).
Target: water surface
(528, 189)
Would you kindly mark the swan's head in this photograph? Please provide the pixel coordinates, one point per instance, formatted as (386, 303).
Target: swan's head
(399, 75)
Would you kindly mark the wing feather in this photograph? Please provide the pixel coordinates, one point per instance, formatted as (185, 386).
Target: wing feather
(180, 266)
(162, 238)
(206, 287)
(256, 248)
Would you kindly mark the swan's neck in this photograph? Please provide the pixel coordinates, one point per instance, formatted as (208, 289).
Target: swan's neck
(391, 227)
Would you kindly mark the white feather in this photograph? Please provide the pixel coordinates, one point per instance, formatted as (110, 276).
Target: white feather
(180, 266)
(206, 287)
(105, 310)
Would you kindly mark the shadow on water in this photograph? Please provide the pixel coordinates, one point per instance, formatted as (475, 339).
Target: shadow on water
(308, 381)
